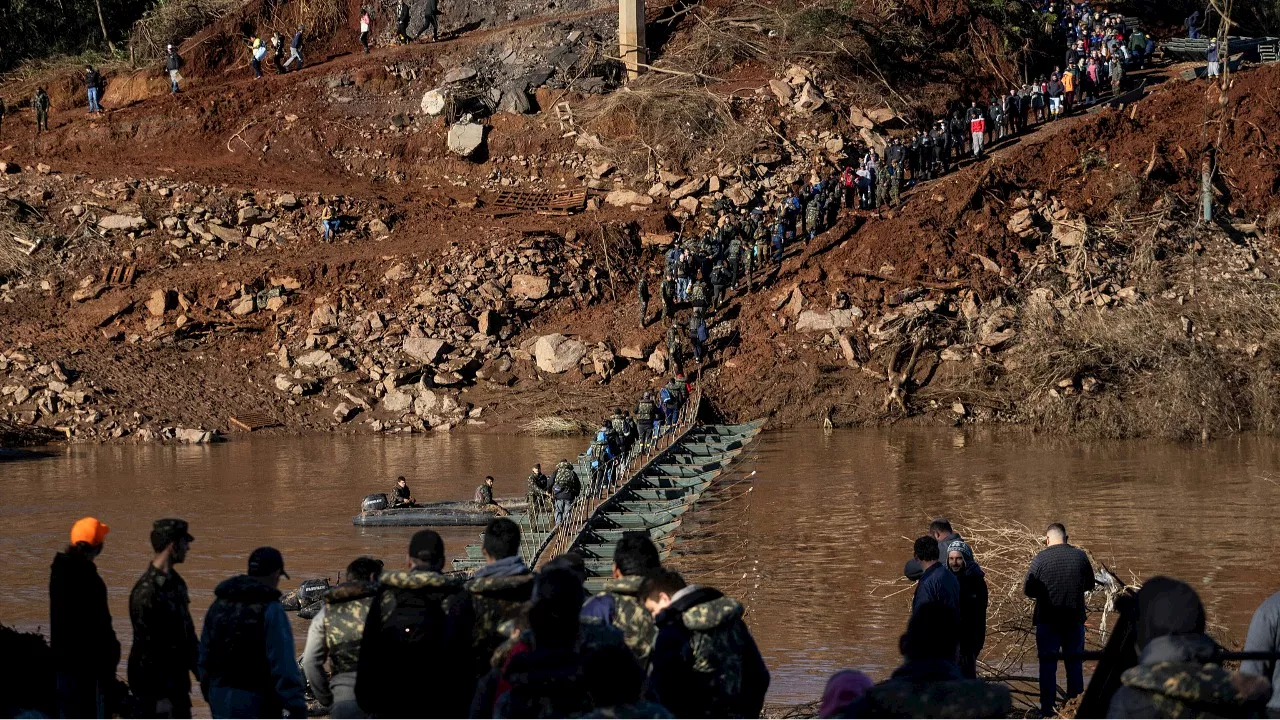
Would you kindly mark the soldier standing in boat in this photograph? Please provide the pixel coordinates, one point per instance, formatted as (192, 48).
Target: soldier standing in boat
(484, 498)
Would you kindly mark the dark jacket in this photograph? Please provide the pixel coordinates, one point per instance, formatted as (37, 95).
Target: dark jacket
(174, 62)
(931, 689)
(80, 633)
(1175, 679)
(1057, 580)
(973, 610)
(704, 661)
(473, 629)
(938, 584)
(165, 650)
(430, 7)
(544, 684)
(247, 655)
(403, 645)
(297, 41)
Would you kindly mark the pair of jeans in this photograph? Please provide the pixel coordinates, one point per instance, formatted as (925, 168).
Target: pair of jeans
(294, 54)
(93, 100)
(173, 81)
(1065, 639)
(562, 508)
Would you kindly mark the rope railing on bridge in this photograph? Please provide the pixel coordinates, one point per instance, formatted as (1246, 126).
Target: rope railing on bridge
(600, 487)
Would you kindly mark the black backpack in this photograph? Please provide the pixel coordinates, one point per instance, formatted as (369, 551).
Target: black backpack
(401, 650)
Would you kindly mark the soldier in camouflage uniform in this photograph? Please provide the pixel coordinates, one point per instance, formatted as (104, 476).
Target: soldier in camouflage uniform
(335, 635)
(675, 347)
(668, 290)
(405, 640)
(538, 493)
(929, 683)
(484, 498)
(1177, 675)
(704, 662)
(165, 649)
(634, 557)
(882, 186)
(494, 595)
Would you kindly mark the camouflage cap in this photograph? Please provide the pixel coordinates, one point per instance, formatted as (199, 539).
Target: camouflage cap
(168, 530)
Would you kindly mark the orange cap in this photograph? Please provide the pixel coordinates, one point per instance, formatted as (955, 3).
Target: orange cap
(89, 530)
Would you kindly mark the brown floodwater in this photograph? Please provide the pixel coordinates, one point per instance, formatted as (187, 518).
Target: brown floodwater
(826, 516)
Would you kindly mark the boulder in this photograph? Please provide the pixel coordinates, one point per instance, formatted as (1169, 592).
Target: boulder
(739, 195)
(249, 216)
(690, 187)
(882, 116)
(648, 239)
(377, 228)
(689, 205)
(397, 401)
(244, 305)
(813, 320)
(846, 317)
(314, 358)
(126, 223)
(325, 315)
(344, 412)
(603, 361)
(458, 74)
(161, 301)
(226, 234)
(558, 354)
(426, 350)
(447, 378)
(658, 361)
(488, 322)
(1021, 221)
(860, 119)
(810, 99)
(782, 91)
(532, 287)
(623, 197)
(193, 436)
(398, 273)
(465, 138)
(433, 102)
(635, 352)
(288, 201)
(426, 403)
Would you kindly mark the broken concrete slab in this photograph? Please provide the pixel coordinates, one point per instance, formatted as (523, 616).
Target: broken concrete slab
(465, 138)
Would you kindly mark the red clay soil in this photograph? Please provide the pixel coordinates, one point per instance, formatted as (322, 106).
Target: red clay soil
(234, 131)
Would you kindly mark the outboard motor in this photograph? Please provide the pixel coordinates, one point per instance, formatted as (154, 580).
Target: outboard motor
(309, 591)
(375, 501)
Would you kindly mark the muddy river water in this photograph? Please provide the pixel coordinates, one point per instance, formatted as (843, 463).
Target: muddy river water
(825, 516)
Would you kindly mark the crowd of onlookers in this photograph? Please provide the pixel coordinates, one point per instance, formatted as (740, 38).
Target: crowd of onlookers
(409, 640)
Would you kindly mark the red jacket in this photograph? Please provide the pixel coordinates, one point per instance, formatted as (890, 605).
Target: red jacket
(978, 125)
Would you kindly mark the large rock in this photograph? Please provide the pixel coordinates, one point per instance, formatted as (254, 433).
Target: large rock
(397, 401)
(739, 195)
(127, 223)
(810, 99)
(226, 234)
(558, 354)
(533, 287)
(193, 436)
(603, 361)
(426, 350)
(433, 102)
(344, 412)
(465, 138)
(488, 322)
(459, 74)
(623, 198)
(691, 187)
(161, 301)
(781, 90)
(658, 361)
(812, 320)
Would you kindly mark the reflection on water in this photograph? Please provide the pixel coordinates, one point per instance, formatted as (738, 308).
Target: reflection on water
(827, 514)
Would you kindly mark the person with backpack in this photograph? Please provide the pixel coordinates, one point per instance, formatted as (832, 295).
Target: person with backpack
(564, 490)
(336, 635)
(295, 49)
(634, 558)
(257, 51)
(704, 662)
(247, 664)
(405, 635)
(93, 84)
(495, 594)
(172, 64)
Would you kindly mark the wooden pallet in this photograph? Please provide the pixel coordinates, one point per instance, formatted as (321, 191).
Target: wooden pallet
(121, 274)
(253, 420)
(543, 203)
